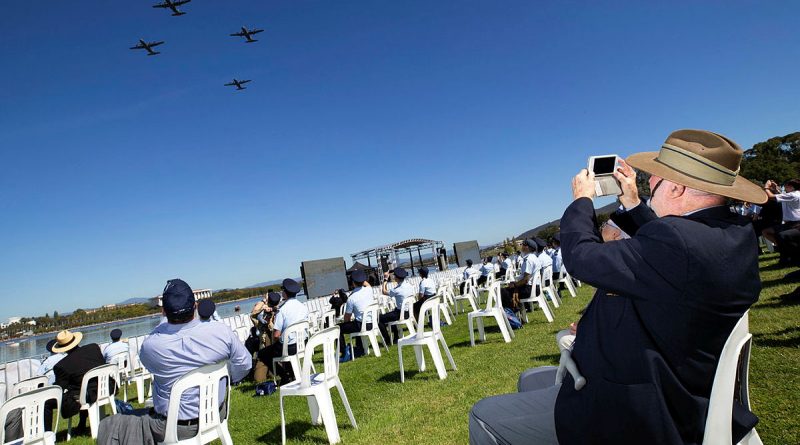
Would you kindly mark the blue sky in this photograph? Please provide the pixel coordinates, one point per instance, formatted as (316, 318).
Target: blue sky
(365, 123)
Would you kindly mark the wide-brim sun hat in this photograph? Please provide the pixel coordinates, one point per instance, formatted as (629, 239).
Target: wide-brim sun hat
(67, 340)
(701, 160)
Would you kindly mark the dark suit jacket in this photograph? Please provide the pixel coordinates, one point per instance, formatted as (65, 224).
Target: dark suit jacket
(69, 374)
(649, 342)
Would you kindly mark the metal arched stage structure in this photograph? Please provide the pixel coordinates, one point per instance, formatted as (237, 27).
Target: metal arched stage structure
(395, 253)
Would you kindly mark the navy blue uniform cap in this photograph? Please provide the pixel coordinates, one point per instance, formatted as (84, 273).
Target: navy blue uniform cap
(177, 297)
(358, 277)
(400, 273)
(291, 286)
(116, 334)
(206, 308)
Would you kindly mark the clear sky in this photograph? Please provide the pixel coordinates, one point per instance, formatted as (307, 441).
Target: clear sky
(365, 123)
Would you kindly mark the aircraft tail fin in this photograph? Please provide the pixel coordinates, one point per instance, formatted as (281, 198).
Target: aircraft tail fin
(252, 40)
(153, 53)
(175, 14)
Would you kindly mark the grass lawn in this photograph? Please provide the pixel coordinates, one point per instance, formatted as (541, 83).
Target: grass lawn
(425, 410)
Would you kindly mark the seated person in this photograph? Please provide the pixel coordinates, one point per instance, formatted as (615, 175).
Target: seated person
(292, 311)
(338, 301)
(468, 273)
(172, 350)
(359, 299)
(555, 255)
(116, 346)
(505, 264)
(207, 310)
(790, 205)
(46, 368)
(261, 334)
(648, 375)
(545, 262)
(486, 268)
(69, 372)
(427, 289)
(520, 288)
(401, 291)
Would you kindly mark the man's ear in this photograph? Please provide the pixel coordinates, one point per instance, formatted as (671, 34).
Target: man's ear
(676, 190)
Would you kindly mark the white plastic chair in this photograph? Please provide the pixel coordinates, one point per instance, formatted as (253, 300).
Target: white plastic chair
(469, 295)
(32, 404)
(121, 360)
(564, 277)
(406, 319)
(299, 331)
(727, 390)
(444, 294)
(105, 395)
(494, 308)
(317, 387)
(210, 426)
(431, 339)
(536, 298)
(370, 312)
(550, 286)
(138, 374)
(28, 385)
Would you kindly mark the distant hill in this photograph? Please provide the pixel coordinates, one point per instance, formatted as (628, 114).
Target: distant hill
(532, 232)
(270, 283)
(132, 301)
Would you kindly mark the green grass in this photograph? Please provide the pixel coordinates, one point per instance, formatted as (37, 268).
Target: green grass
(429, 411)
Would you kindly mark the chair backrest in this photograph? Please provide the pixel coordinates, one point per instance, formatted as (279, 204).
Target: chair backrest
(329, 340)
(370, 313)
(298, 332)
(494, 296)
(207, 378)
(407, 311)
(734, 361)
(28, 385)
(103, 374)
(16, 371)
(32, 405)
(431, 305)
(547, 274)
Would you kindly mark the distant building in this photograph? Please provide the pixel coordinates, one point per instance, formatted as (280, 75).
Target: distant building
(109, 306)
(32, 322)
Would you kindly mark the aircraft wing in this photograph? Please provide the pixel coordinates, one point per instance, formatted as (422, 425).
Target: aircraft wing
(256, 31)
(151, 44)
(243, 81)
(161, 5)
(181, 2)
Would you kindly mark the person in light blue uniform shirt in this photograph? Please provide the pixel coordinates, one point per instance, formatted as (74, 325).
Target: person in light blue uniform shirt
(486, 268)
(400, 293)
(522, 284)
(468, 273)
(290, 312)
(427, 289)
(545, 262)
(555, 255)
(116, 346)
(359, 299)
(172, 350)
(46, 368)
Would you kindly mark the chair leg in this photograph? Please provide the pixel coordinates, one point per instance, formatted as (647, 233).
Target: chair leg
(283, 424)
(420, 354)
(69, 428)
(481, 332)
(373, 340)
(447, 351)
(383, 340)
(400, 357)
(502, 323)
(313, 409)
(471, 331)
(543, 304)
(328, 416)
(346, 404)
(436, 355)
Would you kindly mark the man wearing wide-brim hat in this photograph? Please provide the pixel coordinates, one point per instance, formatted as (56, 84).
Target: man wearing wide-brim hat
(69, 373)
(667, 299)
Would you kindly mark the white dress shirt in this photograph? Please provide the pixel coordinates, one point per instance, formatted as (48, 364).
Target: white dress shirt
(427, 287)
(401, 292)
(791, 205)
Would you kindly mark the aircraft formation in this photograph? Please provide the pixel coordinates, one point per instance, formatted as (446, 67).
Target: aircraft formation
(173, 5)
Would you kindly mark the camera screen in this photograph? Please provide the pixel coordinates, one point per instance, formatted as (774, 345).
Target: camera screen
(604, 165)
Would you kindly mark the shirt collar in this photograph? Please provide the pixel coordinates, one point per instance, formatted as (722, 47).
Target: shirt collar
(700, 210)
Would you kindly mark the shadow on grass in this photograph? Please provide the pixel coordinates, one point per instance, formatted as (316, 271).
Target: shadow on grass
(777, 340)
(394, 377)
(786, 300)
(296, 431)
(549, 358)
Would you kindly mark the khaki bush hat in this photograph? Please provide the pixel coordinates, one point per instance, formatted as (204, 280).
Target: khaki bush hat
(67, 340)
(701, 160)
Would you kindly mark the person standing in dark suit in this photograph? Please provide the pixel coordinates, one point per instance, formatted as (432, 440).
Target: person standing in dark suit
(667, 299)
(69, 374)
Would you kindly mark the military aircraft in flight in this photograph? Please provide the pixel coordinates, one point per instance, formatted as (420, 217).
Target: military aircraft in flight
(246, 33)
(148, 46)
(173, 5)
(237, 84)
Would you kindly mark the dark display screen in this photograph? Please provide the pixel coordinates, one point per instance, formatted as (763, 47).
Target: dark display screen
(467, 250)
(604, 165)
(322, 277)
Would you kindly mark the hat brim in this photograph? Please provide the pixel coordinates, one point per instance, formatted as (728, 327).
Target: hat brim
(76, 340)
(741, 189)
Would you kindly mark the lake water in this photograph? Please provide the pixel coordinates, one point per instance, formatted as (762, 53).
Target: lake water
(35, 346)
